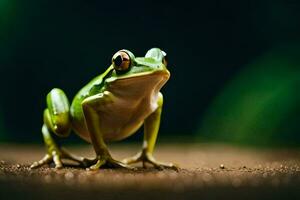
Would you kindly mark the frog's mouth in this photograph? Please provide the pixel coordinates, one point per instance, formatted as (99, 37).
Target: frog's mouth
(162, 73)
(141, 83)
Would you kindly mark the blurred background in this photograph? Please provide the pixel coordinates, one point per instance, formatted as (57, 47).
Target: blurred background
(235, 65)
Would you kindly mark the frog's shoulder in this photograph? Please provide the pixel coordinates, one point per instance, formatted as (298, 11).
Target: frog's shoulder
(94, 86)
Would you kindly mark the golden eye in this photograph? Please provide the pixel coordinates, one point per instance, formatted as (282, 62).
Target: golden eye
(121, 61)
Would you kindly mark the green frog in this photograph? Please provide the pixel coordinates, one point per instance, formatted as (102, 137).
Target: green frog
(111, 107)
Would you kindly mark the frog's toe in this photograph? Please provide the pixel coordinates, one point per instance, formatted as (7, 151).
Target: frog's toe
(148, 158)
(83, 162)
(57, 160)
(133, 159)
(109, 163)
(45, 160)
(48, 159)
(119, 164)
(97, 166)
(161, 165)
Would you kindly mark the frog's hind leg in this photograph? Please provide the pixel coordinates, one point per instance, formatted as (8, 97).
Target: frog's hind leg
(103, 158)
(57, 120)
(151, 127)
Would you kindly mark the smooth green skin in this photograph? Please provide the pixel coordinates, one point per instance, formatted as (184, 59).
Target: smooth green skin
(110, 107)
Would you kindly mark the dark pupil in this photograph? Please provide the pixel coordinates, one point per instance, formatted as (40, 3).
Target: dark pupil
(118, 60)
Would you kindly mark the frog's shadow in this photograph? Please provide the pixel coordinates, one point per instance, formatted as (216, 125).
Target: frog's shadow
(137, 169)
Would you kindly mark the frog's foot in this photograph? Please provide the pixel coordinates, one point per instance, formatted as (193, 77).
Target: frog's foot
(145, 157)
(56, 155)
(106, 161)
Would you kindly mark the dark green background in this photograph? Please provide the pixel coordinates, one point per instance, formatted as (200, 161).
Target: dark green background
(235, 64)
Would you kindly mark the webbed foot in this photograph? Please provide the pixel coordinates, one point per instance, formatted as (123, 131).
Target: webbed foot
(109, 162)
(55, 155)
(145, 157)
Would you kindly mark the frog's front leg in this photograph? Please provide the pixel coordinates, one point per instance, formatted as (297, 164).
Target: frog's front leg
(92, 118)
(56, 120)
(151, 127)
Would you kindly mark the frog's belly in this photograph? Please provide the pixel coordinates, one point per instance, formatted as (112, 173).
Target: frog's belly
(121, 118)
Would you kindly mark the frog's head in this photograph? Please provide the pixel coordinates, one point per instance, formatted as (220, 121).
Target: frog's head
(126, 65)
(149, 71)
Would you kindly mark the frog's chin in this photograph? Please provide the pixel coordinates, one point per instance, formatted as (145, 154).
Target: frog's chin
(143, 84)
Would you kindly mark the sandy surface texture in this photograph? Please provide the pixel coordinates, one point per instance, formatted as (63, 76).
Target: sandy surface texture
(208, 171)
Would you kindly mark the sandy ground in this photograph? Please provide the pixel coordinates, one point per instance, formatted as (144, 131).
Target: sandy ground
(208, 171)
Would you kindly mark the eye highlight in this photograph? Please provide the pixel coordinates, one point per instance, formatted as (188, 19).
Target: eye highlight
(121, 61)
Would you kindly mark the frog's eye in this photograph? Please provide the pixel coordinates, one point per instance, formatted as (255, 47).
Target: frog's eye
(121, 61)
